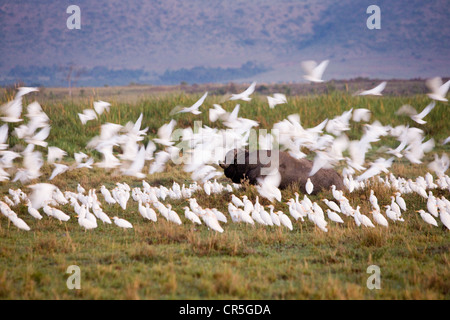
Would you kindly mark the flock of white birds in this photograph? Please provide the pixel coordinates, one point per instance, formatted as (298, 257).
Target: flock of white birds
(199, 151)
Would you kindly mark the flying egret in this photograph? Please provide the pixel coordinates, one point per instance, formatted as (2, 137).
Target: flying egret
(438, 90)
(217, 112)
(87, 115)
(361, 114)
(101, 106)
(278, 98)
(419, 117)
(194, 108)
(59, 168)
(55, 154)
(245, 95)
(314, 71)
(374, 91)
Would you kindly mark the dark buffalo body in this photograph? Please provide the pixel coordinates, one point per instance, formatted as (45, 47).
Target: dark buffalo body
(241, 164)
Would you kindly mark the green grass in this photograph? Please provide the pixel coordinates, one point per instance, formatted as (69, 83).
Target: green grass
(165, 261)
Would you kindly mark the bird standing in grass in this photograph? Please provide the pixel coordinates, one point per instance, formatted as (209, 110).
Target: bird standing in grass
(333, 216)
(309, 186)
(32, 211)
(379, 218)
(284, 220)
(122, 223)
(428, 218)
(191, 216)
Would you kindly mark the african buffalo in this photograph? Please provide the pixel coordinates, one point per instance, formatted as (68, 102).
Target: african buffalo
(241, 164)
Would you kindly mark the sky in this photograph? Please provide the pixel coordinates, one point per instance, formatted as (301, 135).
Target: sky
(165, 42)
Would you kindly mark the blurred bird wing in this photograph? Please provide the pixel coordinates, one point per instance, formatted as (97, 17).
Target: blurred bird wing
(308, 66)
(216, 113)
(234, 114)
(59, 168)
(320, 69)
(434, 84)
(375, 91)
(108, 130)
(361, 114)
(249, 90)
(79, 156)
(407, 110)
(149, 150)
(3, 133)
(12, 110)
(138, 164)
(199, 102)
(272, 102)
(43, 134)
(280, 97)
(442, 91)
(426, 110)
(55, 152)
(25, 90)
(100, 106)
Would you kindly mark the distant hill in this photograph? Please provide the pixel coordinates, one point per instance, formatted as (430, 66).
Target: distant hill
(173, 41)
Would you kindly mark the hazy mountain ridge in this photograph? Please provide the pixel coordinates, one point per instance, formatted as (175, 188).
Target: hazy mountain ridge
(168, 37)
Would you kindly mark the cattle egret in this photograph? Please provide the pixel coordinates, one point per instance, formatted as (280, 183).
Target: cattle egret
(333, 216)
(419, 117)
(379, 218)
(374, 91)
(428, 218)
(122, 223)
(314, 71)
(244, 95)
(284, 220)
(438, 90)
(309, 186)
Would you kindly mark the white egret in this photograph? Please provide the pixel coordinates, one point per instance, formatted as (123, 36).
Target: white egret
(379, 218)
(438, 90)
(314, 71)
(428, 218)
(122, 223)
(245, 95)
(333, 216)
(194, 108)
(374, 91)
(309, 186)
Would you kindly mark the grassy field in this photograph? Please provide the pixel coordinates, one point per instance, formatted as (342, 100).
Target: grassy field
(165, 261)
